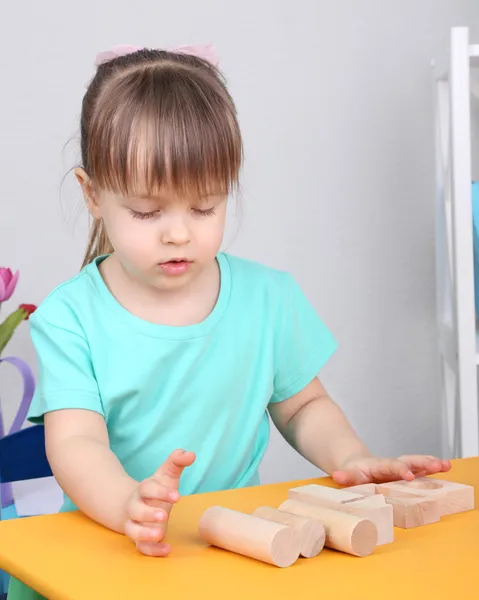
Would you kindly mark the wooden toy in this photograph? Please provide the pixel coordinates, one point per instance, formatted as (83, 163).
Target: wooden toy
(414, 512)
(373, 508)
(365, 489)
(322, 495)
(345, 532)
(376, 509)
(407, 512)
(311, 531)
(452, 497)
(250, 536)
(352, 520)
(421, 501)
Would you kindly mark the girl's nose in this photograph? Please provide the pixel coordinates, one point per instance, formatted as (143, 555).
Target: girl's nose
(175, 231)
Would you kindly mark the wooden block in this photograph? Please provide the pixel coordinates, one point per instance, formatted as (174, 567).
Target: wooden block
(371, 501)
(452, 497)
(311, 531)
(322, 495)
(366, 489)
(414, 512)
(250, 536)
(373, 507)
(344, 532)
(378, 512)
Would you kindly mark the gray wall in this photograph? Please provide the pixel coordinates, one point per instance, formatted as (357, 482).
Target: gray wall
(335, 100)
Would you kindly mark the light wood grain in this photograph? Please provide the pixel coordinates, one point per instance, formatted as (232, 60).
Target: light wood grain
(311, 531)
(372, 507)
(452, 497)
(250, 536)
(414, 512)
(344, 532)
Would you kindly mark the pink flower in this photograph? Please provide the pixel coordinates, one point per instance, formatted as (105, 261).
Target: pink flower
(8, 282)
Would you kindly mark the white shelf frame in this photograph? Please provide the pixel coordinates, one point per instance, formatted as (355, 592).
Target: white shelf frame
(457, 336)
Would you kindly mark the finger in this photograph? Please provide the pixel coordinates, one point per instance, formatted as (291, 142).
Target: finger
(422, 465)
(146, 513)
(171, 470)
(142, 533)
(445, 466)
(390, 470)
(152, 489)
(418, 462)
(152, 549)
(350, 477)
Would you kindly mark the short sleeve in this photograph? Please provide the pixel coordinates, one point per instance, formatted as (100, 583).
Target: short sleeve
(65, 372)
(303, 344)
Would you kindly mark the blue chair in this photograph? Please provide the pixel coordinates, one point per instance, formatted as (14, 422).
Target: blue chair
(22, 457)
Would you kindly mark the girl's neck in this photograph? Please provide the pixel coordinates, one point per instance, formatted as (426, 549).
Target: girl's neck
(186, 305)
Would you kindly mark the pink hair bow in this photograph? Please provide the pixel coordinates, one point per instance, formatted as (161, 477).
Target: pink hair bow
(206, 52)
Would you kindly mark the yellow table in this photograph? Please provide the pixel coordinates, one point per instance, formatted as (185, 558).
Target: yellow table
(67, 556)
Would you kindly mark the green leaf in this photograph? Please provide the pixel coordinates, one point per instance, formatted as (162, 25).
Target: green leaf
(7, 328)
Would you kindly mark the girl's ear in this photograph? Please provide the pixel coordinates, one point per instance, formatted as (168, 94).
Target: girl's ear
(88, 192)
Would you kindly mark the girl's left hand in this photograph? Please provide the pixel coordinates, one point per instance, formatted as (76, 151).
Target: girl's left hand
(381, 470)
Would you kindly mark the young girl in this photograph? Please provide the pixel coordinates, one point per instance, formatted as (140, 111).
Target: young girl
(161, 362)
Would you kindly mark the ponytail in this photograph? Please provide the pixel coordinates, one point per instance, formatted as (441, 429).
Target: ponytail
(98, 243)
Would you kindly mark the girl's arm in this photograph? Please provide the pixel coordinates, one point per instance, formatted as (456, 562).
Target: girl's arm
(318, 429)
(78, 450)
(86, 469)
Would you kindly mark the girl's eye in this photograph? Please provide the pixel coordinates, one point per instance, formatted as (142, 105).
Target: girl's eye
(143, 215)
(206, 212)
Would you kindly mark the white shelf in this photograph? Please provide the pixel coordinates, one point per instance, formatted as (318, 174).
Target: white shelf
(474, 55)
(447, 345)
(459, 338)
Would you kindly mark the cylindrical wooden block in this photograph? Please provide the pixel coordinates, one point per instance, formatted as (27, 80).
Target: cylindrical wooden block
(344, 532)
(311, 531)
(250, 536)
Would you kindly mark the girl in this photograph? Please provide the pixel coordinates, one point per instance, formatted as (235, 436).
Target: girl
(161, 362)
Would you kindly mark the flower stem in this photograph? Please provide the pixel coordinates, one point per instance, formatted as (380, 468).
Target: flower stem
(7, 328)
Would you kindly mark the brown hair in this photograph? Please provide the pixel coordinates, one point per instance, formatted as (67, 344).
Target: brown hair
(154, 118)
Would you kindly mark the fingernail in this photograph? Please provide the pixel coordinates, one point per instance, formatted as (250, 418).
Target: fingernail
(160, 516)
(174, 496)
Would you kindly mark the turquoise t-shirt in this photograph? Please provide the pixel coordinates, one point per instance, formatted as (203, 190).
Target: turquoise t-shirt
(204, 387)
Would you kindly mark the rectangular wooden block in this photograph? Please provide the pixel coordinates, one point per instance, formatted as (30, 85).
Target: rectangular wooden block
(414, 512)
(452, 497)
(408, 511)
(322, 495)
(372, 501)
(366, 489)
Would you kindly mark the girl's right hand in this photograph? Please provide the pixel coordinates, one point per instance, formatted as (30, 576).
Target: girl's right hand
(148, 508)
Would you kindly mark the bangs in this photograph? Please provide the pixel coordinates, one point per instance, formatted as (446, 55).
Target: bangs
(158, 127)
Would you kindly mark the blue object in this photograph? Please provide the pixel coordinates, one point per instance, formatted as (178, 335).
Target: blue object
(22, 457)
(475, 238)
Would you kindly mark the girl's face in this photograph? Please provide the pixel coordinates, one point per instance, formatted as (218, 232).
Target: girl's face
(165, 241)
